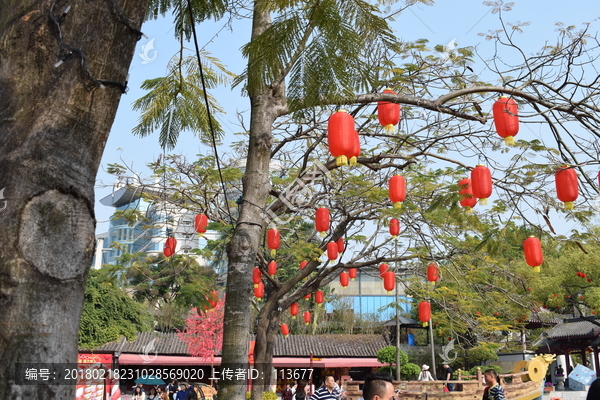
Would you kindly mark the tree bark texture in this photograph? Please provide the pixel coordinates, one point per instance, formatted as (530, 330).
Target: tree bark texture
(265, 105)
(54, 122)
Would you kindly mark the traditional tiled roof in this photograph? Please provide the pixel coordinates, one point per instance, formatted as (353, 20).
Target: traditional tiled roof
(164, 344)
(292, 346)
(329, 345)
(575, 327)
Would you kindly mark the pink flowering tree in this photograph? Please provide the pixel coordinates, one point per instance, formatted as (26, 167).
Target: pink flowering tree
(204, 332)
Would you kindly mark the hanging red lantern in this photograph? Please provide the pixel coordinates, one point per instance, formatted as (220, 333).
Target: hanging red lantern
(481, 183)
(306, 317)
(394, 227)
(256, 276)
(322, 221)
(424, 312)
(307, 297)
(344, 279)
(259, 291)
(294, 309)
(382, 269)
(213, 298)
(534, 255)
(397, 190)
(352, 273)
(273, 240)
(389, 281)
(355, 150)
(285, 330)
(340, 136)
(433, 274)
(170, 247)
(341, 246)
(465, 194)
(506, 119)
(303, 264)
(319, 297)
(272, 268)
(200, 224)
(567, 186)
(388, 113)
(332, 251)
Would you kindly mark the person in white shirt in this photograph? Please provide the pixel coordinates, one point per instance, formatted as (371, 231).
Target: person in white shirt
(425, 375)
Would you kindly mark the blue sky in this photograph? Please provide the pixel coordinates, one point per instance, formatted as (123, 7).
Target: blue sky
(440, 24)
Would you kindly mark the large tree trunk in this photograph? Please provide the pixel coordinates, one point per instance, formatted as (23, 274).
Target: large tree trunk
(265, 105)
(54, 122)
(266, 330)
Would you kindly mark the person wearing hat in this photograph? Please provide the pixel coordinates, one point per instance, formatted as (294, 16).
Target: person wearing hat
(425, 375)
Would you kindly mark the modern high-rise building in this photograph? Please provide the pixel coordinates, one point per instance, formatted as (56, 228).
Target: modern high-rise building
(149, 234)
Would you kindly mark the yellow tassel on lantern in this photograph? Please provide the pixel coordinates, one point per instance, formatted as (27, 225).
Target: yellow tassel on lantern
(341, 160)
(398, 204)
(389, 128)
(425, 324)
(536, 269)
(353, 161)
(510, 141)
(273, 253)
(569, 205)
(483, 202)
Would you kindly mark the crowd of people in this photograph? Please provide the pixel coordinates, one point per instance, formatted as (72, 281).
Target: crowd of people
(377, 386)
(172, 391)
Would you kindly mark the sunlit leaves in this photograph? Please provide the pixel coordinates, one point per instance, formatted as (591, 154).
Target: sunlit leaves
(175, 103)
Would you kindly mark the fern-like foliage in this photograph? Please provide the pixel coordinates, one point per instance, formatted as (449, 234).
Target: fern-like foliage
(320, 49)
(201, 9)
(175, 103)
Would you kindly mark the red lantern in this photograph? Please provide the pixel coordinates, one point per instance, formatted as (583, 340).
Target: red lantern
(344, 279)
(307, 297)
(465, 194)
(319, 297)
(213, 298)
(352, 273)
(332, 251)
(388, 113)
(534, 256)
(322, 221)
(506, 119)
(567, 186)
(303, 264)
(481, 183)
(256, 276)
(259, 291)
(170, 247)
(355, 150)
(397, 190)
(285, 331)
(433, 274)
(294, 308)
(341, 246)
(394, 227)
(273, 240)
(200, 223)
(306, 317)
(272, 268)
(424, 312)
(341, 137)
(382, 269)
(389, 281)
